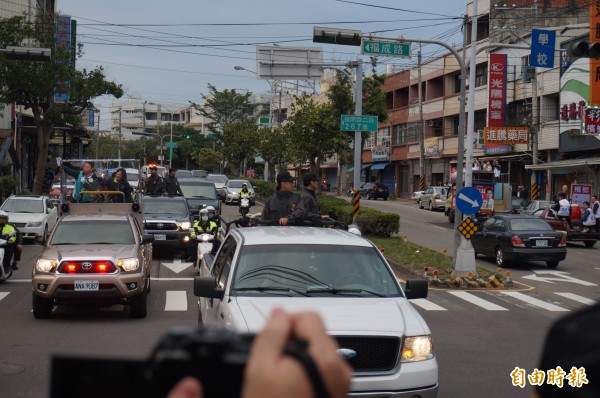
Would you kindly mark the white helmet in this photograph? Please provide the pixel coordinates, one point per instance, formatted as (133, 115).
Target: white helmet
(210, 209)
(203, 211)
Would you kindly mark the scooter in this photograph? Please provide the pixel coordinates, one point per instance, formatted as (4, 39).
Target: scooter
(3, 274)
(244, 206)
(205, 245)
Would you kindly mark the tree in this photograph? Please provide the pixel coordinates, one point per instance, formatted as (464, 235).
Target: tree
(241, 145)
(207, 159)
(312, 132)
(33, 83)
(224, 108)
(272, 145)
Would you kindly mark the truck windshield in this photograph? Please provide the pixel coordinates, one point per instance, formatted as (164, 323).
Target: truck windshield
(101, 232)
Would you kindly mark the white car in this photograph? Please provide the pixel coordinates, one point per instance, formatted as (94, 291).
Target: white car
(342, 276)
(232, 189)
(34, 216)
(416, 196)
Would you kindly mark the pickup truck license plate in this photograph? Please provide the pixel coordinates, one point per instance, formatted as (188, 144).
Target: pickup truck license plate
(160, 237)
(541, 243)
(86, 286)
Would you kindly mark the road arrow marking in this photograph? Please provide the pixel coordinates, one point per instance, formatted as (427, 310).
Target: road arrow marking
(556, 276)
(464, 197)
(3, 295)
(177, 265)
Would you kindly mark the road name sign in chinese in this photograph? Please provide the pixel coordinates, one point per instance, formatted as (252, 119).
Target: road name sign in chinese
(359, 123)
(387, 48)
(506, 135)
(542, 48)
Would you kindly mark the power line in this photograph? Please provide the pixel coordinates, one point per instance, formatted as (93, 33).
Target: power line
(397, 9)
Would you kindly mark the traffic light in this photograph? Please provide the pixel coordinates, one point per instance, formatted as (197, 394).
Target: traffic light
(584, 49)
(187, 136)
(337, 36)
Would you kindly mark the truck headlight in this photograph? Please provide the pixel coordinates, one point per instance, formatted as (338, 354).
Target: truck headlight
(128, 264)
(184, 225)
(34, 224)
(44, 265)
(417, 348)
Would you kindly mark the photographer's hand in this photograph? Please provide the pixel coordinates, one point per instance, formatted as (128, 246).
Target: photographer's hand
(189, 387)
(272, 374)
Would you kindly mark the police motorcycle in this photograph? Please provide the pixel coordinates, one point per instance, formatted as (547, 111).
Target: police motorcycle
(205, 240)
(244, 206)
(5, 274)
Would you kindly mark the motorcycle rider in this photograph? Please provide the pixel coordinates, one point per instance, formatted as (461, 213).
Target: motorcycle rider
(212, 215)
(244, 193)
(8, 233)
(203, 225)
(154, 183)
(285, 206)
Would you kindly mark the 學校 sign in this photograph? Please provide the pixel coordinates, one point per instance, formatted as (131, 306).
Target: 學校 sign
(542, 48)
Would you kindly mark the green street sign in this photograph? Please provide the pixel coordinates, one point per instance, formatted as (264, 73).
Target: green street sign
(211, 136)
(359, 123)
(264, 120)
(171, 145)
(387, 48)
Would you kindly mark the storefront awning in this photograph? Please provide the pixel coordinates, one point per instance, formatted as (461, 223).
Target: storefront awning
(564, 164)
(364, 166)
(378, 166)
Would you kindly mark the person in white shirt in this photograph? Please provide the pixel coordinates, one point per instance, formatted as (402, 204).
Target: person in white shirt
(564, 208)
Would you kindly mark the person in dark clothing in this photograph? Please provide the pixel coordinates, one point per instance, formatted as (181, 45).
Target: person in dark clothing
(118, 182)
(172, 184)
(312, 212)
(284, 206)
(154, 183)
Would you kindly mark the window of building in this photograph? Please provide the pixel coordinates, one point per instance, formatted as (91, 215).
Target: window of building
(369, 142)
(481, 74)
(383, 136)
(525, 60)
(150, 115)
(457, 83)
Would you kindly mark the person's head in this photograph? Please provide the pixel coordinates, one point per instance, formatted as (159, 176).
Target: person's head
(564, 189)
(310, 180)
(211, 211)
(585, 205)
(87, 168)
(120, 174)
(285, 181)
(594, 198)
(489, 193)
(3, 218)
(244, 186)
(203, 215)
(172, 172)
(153, 170)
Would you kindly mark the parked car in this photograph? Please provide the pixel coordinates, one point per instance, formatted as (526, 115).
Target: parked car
(200, 192)
(184, 174)
(517, 204)
(342, 276)
(434, 198)
(168, 219)
(576, 234)
(532, 206)
(220, 180)
(416, 196)
(33, 215)
(99, 258)
(374, 190)
(516, 237)
(233, 187)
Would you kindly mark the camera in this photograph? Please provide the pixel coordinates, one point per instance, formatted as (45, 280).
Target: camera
(217, 357)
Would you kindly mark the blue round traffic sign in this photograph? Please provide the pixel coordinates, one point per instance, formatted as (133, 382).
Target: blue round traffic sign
(469, 200)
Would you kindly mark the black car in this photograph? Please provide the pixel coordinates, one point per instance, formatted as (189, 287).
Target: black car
(374, 190)
(517, 237)
(169, 219)
(199, 193)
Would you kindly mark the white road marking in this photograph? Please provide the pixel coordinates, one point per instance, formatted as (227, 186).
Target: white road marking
(176, 300)
(3, 295)
(578, 298)
(442, 228)
(533, 301)
(177, 265)
(474, 299)
(556, 276)
(427, 305)
(171, 279)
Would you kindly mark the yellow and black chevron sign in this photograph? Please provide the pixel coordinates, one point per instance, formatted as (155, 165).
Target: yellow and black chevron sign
(467, 228)
(356, 204)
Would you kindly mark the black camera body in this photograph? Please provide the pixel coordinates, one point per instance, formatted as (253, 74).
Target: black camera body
(217, 357)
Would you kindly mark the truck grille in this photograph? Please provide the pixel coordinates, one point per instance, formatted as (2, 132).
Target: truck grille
(373, 353)
(161, 226)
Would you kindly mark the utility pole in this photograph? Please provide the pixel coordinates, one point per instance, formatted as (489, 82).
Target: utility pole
(357, 134)
(120, 133)
(535, 188)
(158, 117)
(421, 127)
(98, 134)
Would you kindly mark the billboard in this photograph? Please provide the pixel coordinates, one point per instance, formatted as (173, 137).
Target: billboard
(289, 63)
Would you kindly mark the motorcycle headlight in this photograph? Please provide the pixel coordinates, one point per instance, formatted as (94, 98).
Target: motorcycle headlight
(44, 265)
(417, 348)
(128, 264)
(184, 225)
(204, 238)
(34, 224)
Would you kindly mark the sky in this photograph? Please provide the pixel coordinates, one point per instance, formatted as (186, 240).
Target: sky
(169, 51)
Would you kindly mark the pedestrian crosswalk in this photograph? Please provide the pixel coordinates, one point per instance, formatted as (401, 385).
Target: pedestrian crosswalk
(438, 300)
